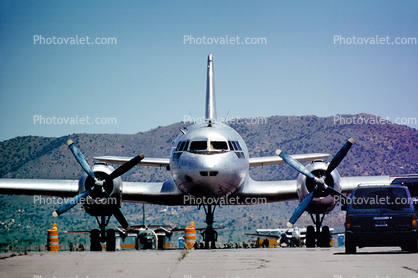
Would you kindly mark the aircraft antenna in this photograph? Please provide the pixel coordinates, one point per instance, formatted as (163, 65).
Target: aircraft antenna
(191, 117)
(227, 113)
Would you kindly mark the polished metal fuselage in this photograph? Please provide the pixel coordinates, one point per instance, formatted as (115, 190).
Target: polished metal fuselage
(210, 172)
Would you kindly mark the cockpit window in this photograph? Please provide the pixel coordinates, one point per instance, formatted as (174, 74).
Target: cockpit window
(179, 146)
(234, 146)
(198, 145)
(218, 145)
(238, 146)
(182, 146)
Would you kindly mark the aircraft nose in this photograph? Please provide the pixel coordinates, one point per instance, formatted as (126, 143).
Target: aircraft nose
(211, 174)
(209, 163)
(208, 173)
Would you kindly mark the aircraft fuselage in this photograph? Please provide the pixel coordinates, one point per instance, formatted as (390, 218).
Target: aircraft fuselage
(209, 159)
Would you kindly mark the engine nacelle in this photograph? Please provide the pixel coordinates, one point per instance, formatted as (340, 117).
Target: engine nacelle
(322, 202)
(95, 204)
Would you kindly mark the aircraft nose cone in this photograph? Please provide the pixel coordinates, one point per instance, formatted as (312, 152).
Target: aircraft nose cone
(210, 175)
(208, 163)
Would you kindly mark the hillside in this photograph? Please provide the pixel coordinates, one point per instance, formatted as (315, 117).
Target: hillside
(379, 149)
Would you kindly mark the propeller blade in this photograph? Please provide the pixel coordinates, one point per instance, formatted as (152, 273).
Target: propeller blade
(336, 160)
(331, 191)
(119, 216)
(117, 213)
(80, 159)
(295, 164)
(300, 209)
(71, 203)
(125, 167)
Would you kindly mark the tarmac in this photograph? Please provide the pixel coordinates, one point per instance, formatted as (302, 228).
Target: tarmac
(230, 263)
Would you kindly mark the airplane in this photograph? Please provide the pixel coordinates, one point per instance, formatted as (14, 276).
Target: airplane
(149, 236)
(209, 165)
(292, 237)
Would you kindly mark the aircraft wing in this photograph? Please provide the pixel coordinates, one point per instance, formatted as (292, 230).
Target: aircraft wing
(163, 193)
(155, 162)
(166, 193)
(286, 190)
(266, 191)
(254, 161)
(349, 183)
(264, 236)
(273, 160)
(58, 188)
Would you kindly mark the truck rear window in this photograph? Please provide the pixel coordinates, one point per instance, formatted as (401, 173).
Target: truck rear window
(380, 198)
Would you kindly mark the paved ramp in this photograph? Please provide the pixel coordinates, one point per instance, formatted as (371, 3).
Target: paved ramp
(251, 263)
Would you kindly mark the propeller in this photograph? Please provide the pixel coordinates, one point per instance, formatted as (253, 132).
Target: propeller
(98, 184)
(321, 182)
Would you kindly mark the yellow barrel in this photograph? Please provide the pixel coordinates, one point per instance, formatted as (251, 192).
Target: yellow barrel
(53, 239)
(190, 236)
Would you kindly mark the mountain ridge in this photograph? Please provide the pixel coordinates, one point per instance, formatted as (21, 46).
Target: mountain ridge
(379, 149)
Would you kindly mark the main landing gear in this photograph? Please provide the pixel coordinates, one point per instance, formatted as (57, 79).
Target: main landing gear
(318, 237)
(97, 237)
(210, 236)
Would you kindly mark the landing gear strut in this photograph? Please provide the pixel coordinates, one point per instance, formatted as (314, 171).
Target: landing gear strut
(317, 237)
(97, 237)
(210, 236)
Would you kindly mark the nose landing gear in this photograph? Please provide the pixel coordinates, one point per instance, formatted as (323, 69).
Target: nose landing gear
(210, 236)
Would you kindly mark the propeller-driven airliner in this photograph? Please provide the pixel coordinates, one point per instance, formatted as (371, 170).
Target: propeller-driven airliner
(208, 161)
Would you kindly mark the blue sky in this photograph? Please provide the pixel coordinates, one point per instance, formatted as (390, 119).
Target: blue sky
(151, 78)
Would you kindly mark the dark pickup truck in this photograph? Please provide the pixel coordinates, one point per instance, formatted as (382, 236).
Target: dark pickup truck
(380, 216)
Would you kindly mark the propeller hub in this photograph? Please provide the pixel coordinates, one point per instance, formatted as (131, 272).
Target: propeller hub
(98, 182)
